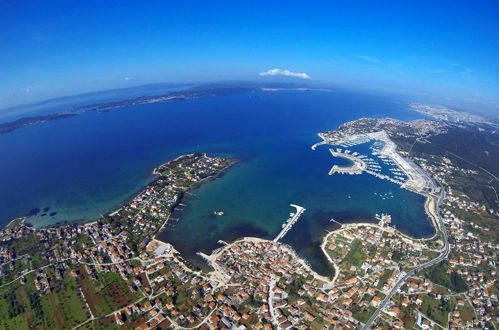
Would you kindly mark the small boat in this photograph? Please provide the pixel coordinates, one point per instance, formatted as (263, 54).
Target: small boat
(219, 213)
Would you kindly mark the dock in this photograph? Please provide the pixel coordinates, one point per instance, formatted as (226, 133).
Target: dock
(358, 164)
(317, 144)
(290, 222)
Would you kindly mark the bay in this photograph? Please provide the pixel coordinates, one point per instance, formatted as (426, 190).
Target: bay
(80, 167)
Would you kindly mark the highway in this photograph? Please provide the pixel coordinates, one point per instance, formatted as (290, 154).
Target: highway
(444, 255)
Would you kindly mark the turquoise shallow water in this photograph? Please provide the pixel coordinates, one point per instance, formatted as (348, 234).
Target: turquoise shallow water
(256, 194)
(89, 164)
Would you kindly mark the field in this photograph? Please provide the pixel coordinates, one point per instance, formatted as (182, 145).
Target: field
(106, 294)
(433, 309)
(355, 256)
(23, 307)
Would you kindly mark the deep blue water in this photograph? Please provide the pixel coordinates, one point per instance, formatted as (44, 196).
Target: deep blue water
(89, 164)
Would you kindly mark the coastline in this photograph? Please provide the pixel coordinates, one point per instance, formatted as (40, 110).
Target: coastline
(331, 281)
(196, 186)
(417, 177)
(211, 258)
(22, 221)
(156, 176)
(430, 209)
(429, 206)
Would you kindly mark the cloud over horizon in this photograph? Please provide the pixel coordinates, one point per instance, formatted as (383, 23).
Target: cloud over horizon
(436, 71)
(369, 59)
(286, 73)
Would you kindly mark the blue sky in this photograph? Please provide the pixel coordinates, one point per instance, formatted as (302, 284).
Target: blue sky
(55, 48)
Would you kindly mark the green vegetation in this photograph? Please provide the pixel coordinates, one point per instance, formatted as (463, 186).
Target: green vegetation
(438, 274)
(384, 278)
(52, 273)
(466, 312)
(469, 148)
(484, 220)
(15, 223)
(361, 314)
(437, 310)
(23, 307)
(355, 256)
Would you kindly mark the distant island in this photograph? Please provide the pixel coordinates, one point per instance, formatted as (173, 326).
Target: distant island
(206, 90)
(26, 121)
(195, 92)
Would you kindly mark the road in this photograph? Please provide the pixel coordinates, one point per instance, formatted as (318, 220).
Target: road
(270, 302)
(444, 255)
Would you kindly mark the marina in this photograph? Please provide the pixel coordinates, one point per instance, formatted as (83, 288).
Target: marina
(384, 219)
(384, 162)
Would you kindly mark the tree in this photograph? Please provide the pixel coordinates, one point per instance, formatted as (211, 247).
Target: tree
(458, 283)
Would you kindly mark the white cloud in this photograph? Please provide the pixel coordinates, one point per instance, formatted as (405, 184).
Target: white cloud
(127, 78)
(369, 59)
(287, 73)
(468, 70)
(464, 69)
(437, 71)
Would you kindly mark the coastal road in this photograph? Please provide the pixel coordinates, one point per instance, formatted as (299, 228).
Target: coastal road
(444, 255)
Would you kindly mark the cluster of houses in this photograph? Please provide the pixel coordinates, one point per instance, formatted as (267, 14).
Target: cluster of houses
(473, 245)
(283, 291)
(365, 252)
(11, 233)
(475, 259)
(442, 169)
(174, 294)
(395, 128)
(370, 258)
(150, 209)
(108, 240)
(267, 286)
(114, 243)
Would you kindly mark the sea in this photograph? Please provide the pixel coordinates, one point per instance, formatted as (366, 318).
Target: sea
(80, 167)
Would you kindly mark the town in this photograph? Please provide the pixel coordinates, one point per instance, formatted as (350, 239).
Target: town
(100, 271)
(114, 273)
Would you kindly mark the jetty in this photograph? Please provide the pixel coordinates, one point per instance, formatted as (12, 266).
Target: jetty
(115, 212)
(318, 144)
(290, 222)
(358, 165)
